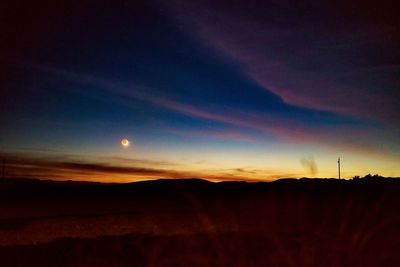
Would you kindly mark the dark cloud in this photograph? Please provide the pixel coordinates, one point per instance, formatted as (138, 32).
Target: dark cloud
(76, 168)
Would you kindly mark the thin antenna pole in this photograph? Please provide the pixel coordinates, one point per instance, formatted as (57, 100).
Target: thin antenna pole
(338, 162)
(3, 169)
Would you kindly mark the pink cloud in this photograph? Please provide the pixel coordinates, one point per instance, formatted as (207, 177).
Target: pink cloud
(277, 57)
(234, 135)
(283, 128)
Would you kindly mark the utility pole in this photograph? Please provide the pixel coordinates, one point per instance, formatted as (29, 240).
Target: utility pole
(3, 169)
(338, 162)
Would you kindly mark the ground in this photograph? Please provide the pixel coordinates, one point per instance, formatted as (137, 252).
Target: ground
(321, 222)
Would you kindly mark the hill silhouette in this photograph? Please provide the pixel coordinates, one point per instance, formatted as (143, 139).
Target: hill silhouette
(194, 222)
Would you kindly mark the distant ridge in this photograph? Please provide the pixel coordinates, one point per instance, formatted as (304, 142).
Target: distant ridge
(32, 183)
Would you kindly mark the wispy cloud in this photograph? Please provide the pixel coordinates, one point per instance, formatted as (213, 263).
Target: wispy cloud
(231, 135)
(92, 169)
(325, 65)
(284, 128)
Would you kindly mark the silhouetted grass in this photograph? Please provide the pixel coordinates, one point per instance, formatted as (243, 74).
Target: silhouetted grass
(197, 223)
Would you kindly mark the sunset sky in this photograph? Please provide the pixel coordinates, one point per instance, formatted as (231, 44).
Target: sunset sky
(223, 90)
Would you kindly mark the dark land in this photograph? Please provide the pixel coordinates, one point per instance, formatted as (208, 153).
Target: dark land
(191, 222)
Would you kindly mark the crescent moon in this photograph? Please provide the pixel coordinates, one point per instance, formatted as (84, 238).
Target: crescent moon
(125, 142)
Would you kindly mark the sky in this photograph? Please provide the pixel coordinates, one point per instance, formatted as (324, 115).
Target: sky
(221, 90)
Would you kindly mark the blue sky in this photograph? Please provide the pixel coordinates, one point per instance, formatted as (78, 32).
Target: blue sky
(245, 86)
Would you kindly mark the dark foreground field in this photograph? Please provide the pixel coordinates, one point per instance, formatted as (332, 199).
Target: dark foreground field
(198, 223)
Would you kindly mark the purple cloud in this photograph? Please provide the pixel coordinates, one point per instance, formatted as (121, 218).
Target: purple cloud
(357, 139)
(316, 56)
